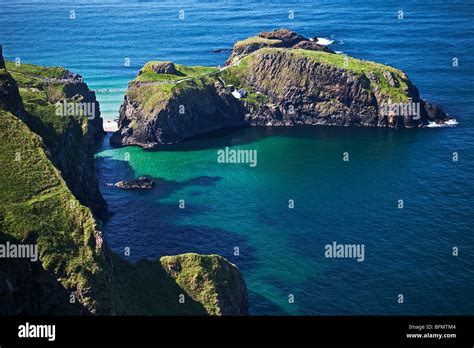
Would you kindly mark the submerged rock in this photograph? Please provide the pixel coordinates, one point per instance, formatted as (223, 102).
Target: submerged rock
(222, 50)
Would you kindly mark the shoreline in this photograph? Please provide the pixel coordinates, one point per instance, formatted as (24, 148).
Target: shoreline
(110, 126)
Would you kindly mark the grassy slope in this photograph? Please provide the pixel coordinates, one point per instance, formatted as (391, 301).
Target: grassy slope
(36, 203)
(360, 67)
(256, 40)
(151, 97)
(202, 275)
(31, 187)
(184, 71)
(39, 97)
(155, 96)
(31, 70)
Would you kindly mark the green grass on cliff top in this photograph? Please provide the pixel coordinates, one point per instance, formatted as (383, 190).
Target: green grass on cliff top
(202, 289)
(342, 61)
(39, 97)
(151, 97)
(256, 40)
(184, 72)
(31, 70)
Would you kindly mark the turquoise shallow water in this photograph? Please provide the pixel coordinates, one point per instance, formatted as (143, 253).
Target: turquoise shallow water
(407, 251)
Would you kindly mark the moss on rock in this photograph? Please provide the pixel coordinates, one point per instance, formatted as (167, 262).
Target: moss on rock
(211, 280)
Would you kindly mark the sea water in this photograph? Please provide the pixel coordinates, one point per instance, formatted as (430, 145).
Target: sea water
(405, 195)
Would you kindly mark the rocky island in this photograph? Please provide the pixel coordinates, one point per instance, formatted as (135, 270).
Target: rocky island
(49, 198)
(277, 78)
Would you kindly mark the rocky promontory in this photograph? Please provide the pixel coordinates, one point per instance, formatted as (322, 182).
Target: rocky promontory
(277, 78)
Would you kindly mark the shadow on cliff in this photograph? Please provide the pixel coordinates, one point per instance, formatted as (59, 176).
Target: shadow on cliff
(145, 288)
(26, 288)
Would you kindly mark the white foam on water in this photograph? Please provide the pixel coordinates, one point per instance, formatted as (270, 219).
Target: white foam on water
(449, 123)
(324, 42)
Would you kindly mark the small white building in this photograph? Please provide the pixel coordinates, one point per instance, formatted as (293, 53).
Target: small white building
(241, 93)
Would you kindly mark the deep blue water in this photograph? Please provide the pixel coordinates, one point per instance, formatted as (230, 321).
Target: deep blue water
(407, 251)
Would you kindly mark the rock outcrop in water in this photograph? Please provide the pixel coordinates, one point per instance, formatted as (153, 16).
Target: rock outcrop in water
(289, 80)
(211, 280)
(49, 197)
(142, 183)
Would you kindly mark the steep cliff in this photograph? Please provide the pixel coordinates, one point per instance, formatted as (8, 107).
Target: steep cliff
(274, 79)
(48, 197)
(70, 138)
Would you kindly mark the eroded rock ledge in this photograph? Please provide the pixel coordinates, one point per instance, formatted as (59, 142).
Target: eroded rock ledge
(287, 79)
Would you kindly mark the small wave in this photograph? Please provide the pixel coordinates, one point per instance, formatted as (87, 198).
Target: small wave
(449, 123)
(324, 42)
(339, 52)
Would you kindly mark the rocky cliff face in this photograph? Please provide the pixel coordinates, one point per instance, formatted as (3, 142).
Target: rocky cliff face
(284, 79)
(48, 192)
(190, 101)
(74, 156)
(303, 89)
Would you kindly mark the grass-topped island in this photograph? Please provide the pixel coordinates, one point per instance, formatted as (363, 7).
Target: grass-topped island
(277, 78)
